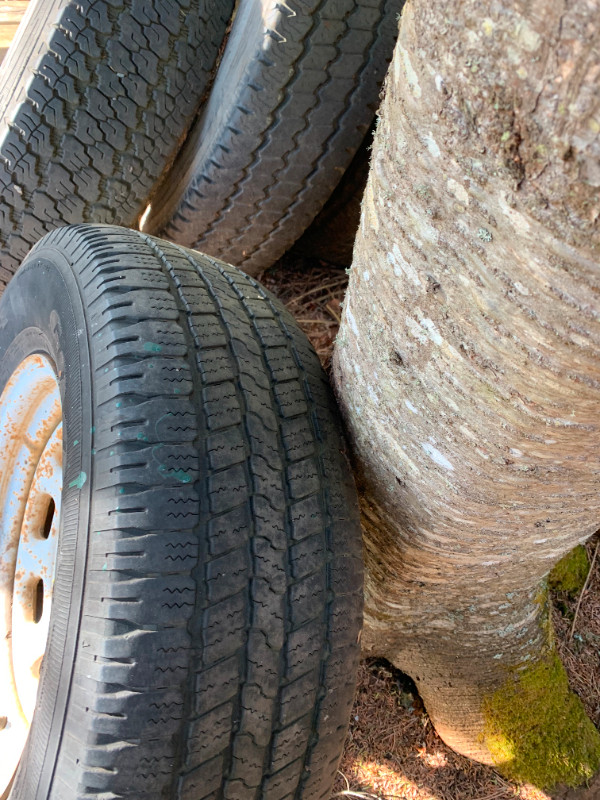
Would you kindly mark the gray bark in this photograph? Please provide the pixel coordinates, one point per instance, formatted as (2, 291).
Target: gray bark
(467, 365)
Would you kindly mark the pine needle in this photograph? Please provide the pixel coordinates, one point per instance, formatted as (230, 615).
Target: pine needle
(585, 585)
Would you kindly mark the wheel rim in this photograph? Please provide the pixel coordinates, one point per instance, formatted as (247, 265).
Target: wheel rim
(30, 503)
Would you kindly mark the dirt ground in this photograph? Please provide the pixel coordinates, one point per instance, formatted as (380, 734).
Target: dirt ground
(392, 751)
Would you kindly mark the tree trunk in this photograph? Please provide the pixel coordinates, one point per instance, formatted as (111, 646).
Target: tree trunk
(468, 367)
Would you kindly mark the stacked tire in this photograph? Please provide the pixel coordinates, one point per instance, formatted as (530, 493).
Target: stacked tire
(222, 131)
(294, 97)
(95, 98)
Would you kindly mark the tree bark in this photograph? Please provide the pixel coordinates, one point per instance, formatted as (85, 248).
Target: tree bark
(468, 365)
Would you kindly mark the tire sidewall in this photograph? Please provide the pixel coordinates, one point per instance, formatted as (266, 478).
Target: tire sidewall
(42, 312)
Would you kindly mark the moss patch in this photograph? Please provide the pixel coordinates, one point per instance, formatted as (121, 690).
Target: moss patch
(537, 730)
(570, 572)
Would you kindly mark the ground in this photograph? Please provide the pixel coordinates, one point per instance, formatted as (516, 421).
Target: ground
(392, 751)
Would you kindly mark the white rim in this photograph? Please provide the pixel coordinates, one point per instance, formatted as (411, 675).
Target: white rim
(30, 502)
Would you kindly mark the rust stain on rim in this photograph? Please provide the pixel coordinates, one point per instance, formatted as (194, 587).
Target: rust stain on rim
(30, 501)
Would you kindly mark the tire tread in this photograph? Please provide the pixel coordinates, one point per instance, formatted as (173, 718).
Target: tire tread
(219, 627)
(96, 95)
(247, 191)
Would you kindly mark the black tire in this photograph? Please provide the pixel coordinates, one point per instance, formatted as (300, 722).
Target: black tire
(331, 235)
(293, 98)
(95, 97)
(206, 611)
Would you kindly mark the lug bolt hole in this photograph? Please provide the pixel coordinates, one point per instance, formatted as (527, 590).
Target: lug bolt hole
(49, 519)
(38, 600)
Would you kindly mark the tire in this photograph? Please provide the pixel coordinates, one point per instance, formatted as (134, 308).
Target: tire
(294, 96)
(204, 633)
(331, 235)
(95, 97)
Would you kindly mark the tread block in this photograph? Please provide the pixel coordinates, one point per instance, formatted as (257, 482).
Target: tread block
(200, 782)
(227, 530)
(221, 680)
(209, 735)
(307, 517)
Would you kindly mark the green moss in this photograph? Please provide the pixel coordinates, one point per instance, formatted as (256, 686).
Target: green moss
(542, 599)
(570, 573)
(537, 730)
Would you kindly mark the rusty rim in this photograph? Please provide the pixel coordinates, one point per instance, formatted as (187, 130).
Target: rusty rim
(30, 501)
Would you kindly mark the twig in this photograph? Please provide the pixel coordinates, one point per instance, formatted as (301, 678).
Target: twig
(365, 795)
(327, 322)
(495, 796)
(585, 585)
(362, 795)
(336, 317)
(316, 289)
(345, 779)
